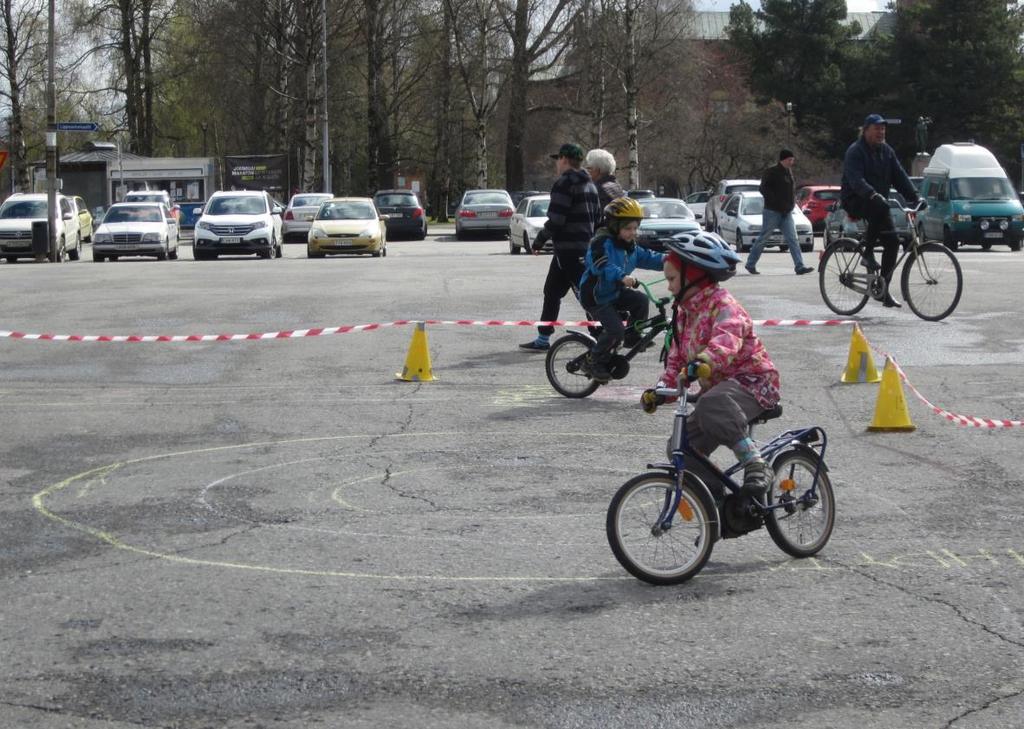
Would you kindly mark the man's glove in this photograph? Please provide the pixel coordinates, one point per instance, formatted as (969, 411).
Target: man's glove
(542, 237)
(880, 196)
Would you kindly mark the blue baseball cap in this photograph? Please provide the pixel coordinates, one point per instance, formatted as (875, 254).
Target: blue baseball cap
(874, 119)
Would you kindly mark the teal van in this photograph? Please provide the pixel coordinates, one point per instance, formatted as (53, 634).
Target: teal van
(970, 199)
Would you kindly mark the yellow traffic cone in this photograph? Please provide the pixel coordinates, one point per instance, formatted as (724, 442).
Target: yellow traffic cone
(417, 362)
(860, 367)
(891, 413)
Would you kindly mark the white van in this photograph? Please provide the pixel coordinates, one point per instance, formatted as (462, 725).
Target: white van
(970, 199)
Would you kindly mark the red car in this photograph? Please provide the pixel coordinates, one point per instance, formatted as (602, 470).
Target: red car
(815, 200)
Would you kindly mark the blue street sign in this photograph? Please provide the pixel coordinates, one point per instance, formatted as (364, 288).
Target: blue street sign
(78, 127)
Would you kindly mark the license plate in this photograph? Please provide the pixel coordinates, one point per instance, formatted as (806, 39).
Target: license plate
(125, 245)
(993, 235)
(231, 239)
(488, 215)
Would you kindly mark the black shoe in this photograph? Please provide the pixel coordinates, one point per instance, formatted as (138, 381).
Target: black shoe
(752, 270)
(890, 302)
(535, 346)
(599, 372)
(757, 477)
(804, 269)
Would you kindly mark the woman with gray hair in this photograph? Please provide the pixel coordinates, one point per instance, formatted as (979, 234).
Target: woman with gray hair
(601, 165)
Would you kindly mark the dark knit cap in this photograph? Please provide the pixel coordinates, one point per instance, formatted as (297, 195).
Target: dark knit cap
(786, 154)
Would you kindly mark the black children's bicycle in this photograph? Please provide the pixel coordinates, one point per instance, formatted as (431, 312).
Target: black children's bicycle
(663, 524)
(568, 361)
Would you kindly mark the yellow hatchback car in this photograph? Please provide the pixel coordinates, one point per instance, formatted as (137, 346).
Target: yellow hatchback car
(347, 225)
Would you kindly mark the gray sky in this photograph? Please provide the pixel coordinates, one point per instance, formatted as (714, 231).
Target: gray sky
(852, 6)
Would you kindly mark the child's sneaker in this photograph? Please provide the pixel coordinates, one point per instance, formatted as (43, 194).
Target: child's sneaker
(757, 477)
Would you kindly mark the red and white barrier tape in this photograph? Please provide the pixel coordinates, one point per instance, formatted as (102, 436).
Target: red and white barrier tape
(324, 331)
(968, 421)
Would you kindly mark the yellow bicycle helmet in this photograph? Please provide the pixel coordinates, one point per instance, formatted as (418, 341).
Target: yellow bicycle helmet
(623, 208)
(622, 211)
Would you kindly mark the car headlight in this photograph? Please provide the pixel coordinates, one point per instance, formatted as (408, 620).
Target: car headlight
(1004, 224)
(151, 238)
(368, 233)
(317, 232)
(259, 226)
(102, 238)
(204, 225)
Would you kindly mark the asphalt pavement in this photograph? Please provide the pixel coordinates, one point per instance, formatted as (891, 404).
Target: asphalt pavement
(279, 533)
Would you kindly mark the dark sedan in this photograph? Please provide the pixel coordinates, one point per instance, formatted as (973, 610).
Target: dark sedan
(406, 216)
(664, 217)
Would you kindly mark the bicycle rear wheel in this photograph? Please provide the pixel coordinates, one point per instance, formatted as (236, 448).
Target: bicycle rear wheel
(566, 369)
(641, 542)
(932, 281)
(803, 524)
(842, 279)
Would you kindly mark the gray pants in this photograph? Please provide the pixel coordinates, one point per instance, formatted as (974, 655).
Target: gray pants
(720, 417)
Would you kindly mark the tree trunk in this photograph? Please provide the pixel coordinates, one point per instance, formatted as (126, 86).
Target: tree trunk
(481, 153)
(441, 178)
(519, 76)
(16, 121)
(147, 131)
(631, 19)
(378, 152)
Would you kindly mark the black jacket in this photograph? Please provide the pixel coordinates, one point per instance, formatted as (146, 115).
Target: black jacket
(777, 189)
(867, 171)
(608, 188)
(574, 211)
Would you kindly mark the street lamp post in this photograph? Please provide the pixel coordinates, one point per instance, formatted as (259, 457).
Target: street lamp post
(789, 116)
(203, 126)
(51, 134)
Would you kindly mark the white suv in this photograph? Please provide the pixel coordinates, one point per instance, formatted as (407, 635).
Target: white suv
(18, 213)
(238, 222)
(723, 192)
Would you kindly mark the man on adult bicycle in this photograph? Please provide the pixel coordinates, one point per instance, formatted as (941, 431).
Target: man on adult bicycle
(870, 170)
(607, 288)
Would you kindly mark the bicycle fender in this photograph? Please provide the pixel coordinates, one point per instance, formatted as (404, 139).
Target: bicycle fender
(805, 450)
(704, 494)
(586, 338)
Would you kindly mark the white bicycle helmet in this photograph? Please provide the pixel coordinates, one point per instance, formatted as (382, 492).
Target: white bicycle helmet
(706, 251)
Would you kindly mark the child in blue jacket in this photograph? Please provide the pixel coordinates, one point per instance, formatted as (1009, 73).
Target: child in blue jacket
(607, 288)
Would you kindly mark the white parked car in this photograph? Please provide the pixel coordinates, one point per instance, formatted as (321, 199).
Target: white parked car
(136, 229)
(18, 213)
(716, 202)
(740, 223)
(299, 214)
(697, 202)
(238, 222)
(159, 196)
(530, 215)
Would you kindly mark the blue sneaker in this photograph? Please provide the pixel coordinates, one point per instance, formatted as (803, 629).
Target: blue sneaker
(535, 346)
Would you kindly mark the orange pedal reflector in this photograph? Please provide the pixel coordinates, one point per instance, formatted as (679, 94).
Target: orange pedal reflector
(685, 510)
(787, 484)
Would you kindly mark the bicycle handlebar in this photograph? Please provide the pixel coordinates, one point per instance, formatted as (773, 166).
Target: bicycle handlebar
(647, 290)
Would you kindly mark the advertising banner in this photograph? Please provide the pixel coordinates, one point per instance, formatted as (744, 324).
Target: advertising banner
(256, 171)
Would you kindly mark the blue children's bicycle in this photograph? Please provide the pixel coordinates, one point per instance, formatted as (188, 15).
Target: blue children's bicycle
(663, 524)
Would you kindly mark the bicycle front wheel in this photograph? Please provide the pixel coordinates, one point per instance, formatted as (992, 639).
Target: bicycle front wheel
(654, 547)
(799, 522)
(932, 281)
(566, 367)
(842, 279)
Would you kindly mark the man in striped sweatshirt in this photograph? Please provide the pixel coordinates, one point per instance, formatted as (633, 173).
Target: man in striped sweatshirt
(574, 212)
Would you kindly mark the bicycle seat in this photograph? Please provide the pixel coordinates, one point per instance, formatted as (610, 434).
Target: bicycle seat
(767, 415)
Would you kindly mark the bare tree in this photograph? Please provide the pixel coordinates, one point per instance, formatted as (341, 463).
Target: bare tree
(23, 59)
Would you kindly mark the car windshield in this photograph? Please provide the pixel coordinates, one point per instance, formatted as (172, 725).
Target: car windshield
(24, 209)
(538, 209)
(752, 206)
(485, 198)
(827, 194)
(308, 201)
(741, 188)
(346, 211)
(143, 197)
(133, 214)
(394, 201)
(666, 209)
(237, 206)
(981, 188)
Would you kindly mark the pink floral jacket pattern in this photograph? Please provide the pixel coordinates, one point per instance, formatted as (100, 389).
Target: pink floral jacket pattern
(714, 323)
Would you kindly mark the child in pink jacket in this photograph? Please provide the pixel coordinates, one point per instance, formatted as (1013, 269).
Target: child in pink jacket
(711, 327)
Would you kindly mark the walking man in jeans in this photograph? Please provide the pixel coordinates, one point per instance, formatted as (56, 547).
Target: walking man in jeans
(573, 213)
(779, 194)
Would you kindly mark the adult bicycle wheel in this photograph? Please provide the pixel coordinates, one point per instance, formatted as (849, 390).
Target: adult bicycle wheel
(932, 281)
(842, 279)
(566, 369)
(802, 525)
(646, 548)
